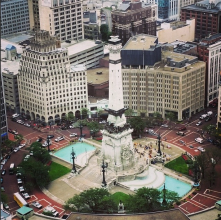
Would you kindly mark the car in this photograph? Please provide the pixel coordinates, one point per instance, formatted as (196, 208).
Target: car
(201, 149)
(165, 126)
(21, 189)
(2, 166)
(191, 146)
(21, 146)
(59, 139)
(50, 136)
(210, 140)
(15, 115)
(71, 126)
(21, 122)
(2, 189)
(208, 119)
(2, 180)
(3, 162)
(26, 195)
(15, 132)
(19, 181)
(16, 149)
(18, 175)
(39, 139)
(73, 135)
(27, 125)
(102, 122)
(52, 210)
(10, 130)
(198, 123)
(182, 128)
(26, 157)
(209, 113)
(199, 140)
(36, 204)
(5, 205)
(31, 153)
(3, 172)
(180, 133)
(203, 116)
(7, 156)
(45, 144)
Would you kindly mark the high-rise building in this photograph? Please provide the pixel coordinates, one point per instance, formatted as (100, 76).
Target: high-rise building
(3, 115)
(175, 83)
(134, 18)
(49, 88)
(63, 18)
(219, 108)
(207, 15)
(14, 16)
(209, 51)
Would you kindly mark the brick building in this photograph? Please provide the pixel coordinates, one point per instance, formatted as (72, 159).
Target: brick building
(134, 17)
(207, 15)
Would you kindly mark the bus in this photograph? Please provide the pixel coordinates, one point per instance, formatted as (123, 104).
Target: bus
(19, 199)
(11, 168)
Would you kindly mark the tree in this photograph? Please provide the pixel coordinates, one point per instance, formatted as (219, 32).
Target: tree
(4, 197)
(94, 127)
(202, 160)
(96, 199)
(170, 116)
(69, 117)
(84, 112)
(19, 137)
(171, 197)
(157, 117)
(129, 112)
(105, 34)
(138, 124)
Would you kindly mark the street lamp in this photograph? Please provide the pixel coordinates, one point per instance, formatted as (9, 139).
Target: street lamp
(48, 142)
(104, 167)
(213, 171)
(159, 151)
(164, 195)
(73, 158)
(81, 127)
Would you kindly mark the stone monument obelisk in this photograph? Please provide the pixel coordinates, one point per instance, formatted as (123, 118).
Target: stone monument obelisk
(117, 145)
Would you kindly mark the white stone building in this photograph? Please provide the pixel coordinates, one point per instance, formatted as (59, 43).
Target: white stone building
(63, 18)
(49, 88)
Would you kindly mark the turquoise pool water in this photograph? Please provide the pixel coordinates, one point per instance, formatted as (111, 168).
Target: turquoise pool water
(176, 185)
(79, 148)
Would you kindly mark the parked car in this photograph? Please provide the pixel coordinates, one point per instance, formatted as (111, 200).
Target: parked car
(15, 132)
(191, 146)
(71, 126)
(208, 119)
(201, 149)
(102, 122)
(31, 153)
(45, 144)
(2, 189)
(180, 133)
(19, 181)
(27, 125)
(16, 149)
(52, 210)
(3, 172)
(199, 140)
(39, 139)
(7, 156)
(21, 189)
(198, 123)
(50, 136)
(73, 135)
(26, 195)
(2, 180)
(203, 116)
(209, 113)
(10, 130)
(37, 204)
(59, 139)
(15, 115)
(21, 146)
(5, 205)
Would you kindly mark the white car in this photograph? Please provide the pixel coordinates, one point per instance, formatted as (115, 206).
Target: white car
(198, 123)
(46, 144)
(16, 149)
(15, 115)
(59, 139)
(165, 126)
(19, 181)
(102, 122)
(21, 146)
(37, 205)
(199, 140)
(71, 126)
(73, 135)
(21, 189)
(52, 210)
(209, 113)
(201, 149)
(27, 125)
(26, 195)
(203, 116)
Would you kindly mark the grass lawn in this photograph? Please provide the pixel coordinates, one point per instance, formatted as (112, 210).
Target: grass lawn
(120, 196)
(57, 170)
(178, 165)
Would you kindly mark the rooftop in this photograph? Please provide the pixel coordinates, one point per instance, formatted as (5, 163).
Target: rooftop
(74, 48)
(5, 43)
(78, 67)
(98, 75)
(24, 210)
(202, 9)
(18, 37)
(140, 42)
(10, 67)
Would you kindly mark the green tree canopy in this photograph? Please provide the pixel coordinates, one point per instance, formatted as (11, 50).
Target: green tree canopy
(94, 127)
(138, 124)
(129, 112)
(96, 199)
(105, 34)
